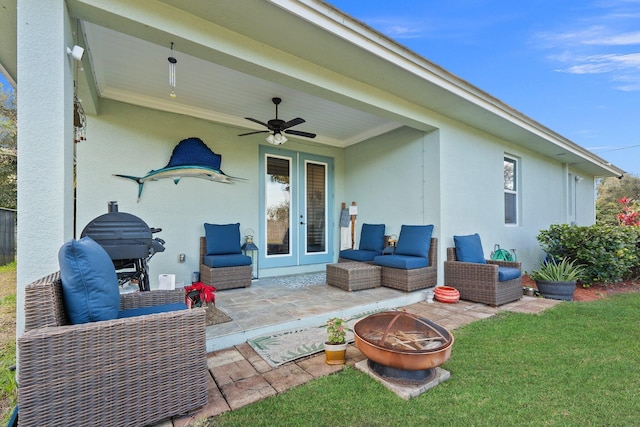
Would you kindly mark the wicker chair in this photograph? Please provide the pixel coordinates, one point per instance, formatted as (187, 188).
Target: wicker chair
(223, 277)
(123, 372)
(479, 282)
(414, 279)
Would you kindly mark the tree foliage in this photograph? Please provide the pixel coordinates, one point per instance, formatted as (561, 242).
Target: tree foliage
(8, 149)
(609, 191)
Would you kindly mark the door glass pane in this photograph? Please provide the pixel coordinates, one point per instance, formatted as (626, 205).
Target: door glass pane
(278, 205)
(316, 207)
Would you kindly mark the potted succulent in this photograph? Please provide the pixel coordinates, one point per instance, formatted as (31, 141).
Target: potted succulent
(335, 348)
(557, 279)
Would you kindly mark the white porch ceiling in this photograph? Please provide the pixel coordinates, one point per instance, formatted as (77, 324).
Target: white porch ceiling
(135, 71)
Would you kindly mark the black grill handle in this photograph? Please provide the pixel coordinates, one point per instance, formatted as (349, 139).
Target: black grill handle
(155, 230)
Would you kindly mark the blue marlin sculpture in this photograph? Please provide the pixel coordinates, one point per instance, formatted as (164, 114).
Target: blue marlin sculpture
(190, 158)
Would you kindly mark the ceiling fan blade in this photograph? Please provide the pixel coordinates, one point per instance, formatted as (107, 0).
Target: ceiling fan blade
(292, 123)
(300, 133)
(251, 133)
(257, 121)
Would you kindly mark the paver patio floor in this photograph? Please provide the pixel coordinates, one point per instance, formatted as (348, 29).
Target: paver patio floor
(238, 376)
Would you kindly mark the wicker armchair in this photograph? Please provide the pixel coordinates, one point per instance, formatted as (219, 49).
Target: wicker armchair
(223, 277)
(479, 282)
(414, 279)
(123, 372)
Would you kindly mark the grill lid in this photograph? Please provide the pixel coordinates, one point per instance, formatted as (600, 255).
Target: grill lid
(122, 235)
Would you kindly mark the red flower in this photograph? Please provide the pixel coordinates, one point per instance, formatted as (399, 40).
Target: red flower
(199, 294)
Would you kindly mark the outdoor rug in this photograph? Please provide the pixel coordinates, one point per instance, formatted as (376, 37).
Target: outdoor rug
(283, 347)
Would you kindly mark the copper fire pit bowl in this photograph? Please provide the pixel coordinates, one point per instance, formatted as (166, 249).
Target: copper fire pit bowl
(403, 341)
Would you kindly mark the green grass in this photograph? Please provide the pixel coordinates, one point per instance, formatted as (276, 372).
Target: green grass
(576, 364)
(8, 395)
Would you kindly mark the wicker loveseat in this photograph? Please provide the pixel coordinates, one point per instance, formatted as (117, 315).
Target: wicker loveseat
(122, 372)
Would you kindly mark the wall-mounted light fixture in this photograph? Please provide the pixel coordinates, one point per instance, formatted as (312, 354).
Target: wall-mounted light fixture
(77, 52)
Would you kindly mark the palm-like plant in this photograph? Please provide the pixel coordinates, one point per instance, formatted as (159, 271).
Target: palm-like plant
(551, 270)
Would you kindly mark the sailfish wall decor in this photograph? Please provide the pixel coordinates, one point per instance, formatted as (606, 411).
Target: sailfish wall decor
(190, 158)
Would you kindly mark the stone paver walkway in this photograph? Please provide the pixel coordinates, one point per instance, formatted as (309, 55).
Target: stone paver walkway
(238, 376)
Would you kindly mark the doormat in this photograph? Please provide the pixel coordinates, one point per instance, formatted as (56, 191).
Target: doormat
(286, 346)
(296, 281)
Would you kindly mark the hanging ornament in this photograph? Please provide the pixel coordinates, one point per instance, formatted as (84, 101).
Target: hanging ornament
(79, 121)
(172, 73)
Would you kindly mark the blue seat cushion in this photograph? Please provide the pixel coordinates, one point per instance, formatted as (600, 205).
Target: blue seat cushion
(234, 260)
(372, 238)
(402, 262)
(89, 283)
(359, 255)
(469, 249)
(414, 240)
(141, 311)
(222, 238)
(507, 273)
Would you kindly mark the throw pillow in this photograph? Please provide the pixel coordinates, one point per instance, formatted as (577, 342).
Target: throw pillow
(414, 240)
(89, 282)
(469, 249)
(222, 238)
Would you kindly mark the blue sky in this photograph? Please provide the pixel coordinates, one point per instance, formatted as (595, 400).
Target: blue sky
(571, 65)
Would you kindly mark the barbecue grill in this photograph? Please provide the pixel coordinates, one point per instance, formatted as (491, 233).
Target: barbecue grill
(129, 242)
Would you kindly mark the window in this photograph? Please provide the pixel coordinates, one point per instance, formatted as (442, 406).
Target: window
(510, 190)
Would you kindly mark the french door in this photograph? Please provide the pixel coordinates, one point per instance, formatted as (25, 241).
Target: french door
(296, 196)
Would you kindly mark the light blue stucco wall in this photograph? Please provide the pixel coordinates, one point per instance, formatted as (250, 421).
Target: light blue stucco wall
(130, 140)
(453, 178)
(394, 180)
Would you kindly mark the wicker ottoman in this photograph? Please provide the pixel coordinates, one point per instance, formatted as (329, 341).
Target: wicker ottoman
(353, 276)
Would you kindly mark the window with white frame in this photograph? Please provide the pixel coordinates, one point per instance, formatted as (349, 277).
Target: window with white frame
(511, 187)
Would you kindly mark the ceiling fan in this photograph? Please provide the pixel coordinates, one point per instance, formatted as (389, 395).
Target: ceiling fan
(277, 126)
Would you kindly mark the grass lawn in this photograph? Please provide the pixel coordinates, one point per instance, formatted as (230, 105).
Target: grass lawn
(8, 394)
(576, 364)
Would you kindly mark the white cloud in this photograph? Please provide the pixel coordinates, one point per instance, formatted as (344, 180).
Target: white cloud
(608, 47)
(398, 28)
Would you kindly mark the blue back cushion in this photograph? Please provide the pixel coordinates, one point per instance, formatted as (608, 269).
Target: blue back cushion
(222, 238)
(469, 249)
(414, 240)
(89, 283)
(372, 238)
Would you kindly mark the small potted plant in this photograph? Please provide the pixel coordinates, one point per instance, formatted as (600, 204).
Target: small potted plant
(557, 279)
(335, 348)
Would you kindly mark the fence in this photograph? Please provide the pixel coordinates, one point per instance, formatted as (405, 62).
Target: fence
(7, 235)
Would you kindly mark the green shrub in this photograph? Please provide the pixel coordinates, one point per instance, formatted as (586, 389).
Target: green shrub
(609, 253)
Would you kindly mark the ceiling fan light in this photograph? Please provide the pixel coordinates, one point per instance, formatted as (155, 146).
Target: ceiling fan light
(276, 139)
